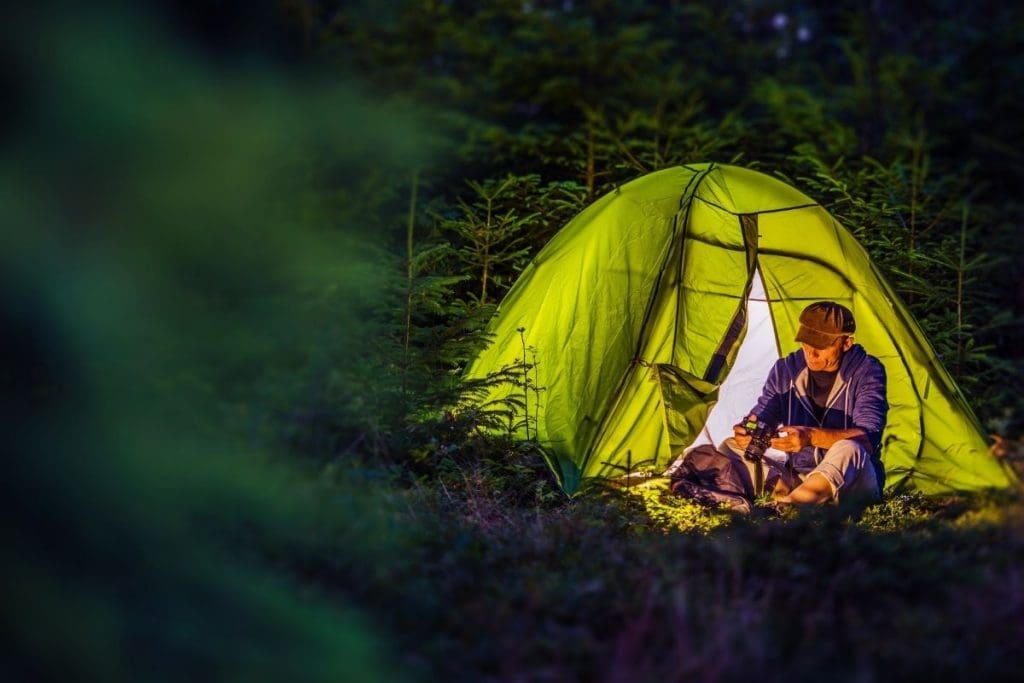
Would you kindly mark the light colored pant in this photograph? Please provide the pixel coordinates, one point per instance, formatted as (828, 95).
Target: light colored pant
(846, 466)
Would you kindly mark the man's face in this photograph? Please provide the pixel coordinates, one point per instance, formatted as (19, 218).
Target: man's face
(827, 358)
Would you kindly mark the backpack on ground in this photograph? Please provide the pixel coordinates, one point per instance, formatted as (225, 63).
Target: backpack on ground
(711, 477)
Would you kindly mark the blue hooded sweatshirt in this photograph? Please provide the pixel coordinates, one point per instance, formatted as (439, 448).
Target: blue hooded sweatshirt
(857, 400)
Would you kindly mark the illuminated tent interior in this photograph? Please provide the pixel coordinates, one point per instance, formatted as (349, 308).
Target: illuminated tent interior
(652, 318)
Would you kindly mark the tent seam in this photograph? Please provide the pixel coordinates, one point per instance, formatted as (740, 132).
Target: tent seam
(688, 192)
(717, 361)
(740, 213)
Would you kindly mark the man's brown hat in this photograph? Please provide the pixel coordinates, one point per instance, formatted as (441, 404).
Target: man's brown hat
(823, 322)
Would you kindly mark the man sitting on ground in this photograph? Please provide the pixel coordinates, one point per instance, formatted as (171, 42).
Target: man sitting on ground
(827, 403)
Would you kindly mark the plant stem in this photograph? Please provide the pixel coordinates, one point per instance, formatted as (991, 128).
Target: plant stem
(409, 275)
(915, 181)
(960, 288)
(487, 249)
(590, 180)
(536, 385)
(526, 384)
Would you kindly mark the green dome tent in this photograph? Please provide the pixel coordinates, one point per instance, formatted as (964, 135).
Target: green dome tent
(653, 318)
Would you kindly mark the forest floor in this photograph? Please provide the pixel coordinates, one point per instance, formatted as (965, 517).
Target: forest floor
(493, 574)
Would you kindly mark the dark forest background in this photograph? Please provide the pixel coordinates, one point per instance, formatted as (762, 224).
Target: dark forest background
(250, 247)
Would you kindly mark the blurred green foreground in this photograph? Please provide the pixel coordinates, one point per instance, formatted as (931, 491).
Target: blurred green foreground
(169, 285)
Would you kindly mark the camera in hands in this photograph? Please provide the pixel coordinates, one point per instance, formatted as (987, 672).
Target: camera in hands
(761, 435)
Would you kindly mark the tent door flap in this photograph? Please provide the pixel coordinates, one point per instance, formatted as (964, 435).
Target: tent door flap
(687, 400)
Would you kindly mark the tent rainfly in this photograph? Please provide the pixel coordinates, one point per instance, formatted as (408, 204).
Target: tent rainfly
(653, 317)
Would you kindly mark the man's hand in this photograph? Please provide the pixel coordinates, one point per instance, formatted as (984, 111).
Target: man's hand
(797, 437)
(792, 438)
(740, 433)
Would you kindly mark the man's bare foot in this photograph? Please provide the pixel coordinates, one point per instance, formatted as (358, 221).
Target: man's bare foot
(780, 491)
(813, 491)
